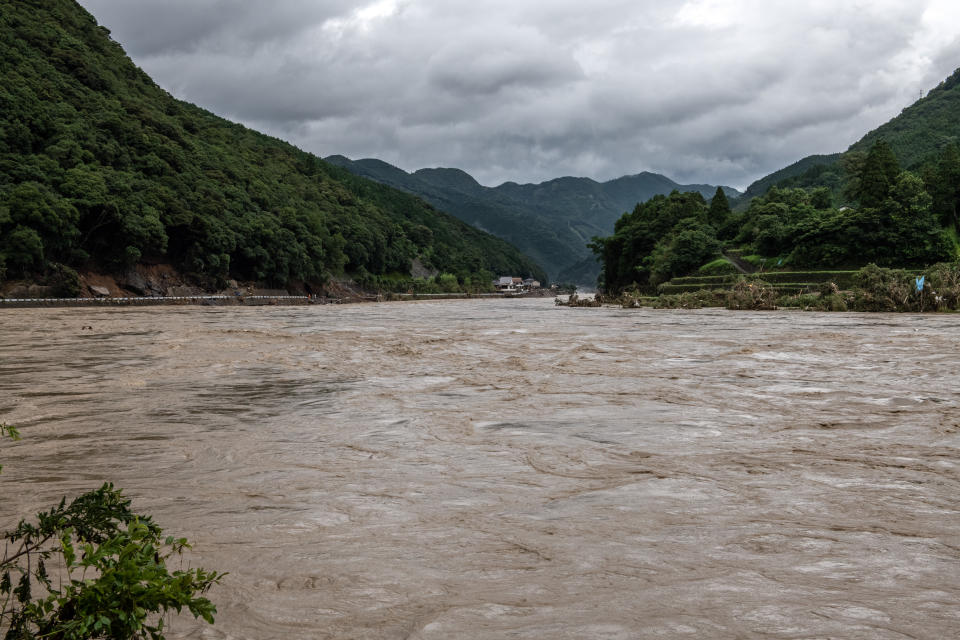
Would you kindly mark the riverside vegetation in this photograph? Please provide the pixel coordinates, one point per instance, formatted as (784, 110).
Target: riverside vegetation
(872, 288)
(801, 235)
(893, 222)
(95, 569)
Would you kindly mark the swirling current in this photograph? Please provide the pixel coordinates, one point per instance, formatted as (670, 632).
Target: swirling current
(508, 469)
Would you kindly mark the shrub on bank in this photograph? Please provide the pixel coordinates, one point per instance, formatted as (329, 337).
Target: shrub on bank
(576, 301)
(880, 289)
(64, 280)
(944, 282)
(887, 290)
(829, 297)
(805, 301)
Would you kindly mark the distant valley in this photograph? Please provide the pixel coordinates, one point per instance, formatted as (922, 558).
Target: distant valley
(551, 222)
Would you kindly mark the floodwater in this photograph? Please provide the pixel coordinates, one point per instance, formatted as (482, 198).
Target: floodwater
(508, 469)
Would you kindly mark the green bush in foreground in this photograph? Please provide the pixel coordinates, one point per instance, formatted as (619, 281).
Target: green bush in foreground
(95, 569)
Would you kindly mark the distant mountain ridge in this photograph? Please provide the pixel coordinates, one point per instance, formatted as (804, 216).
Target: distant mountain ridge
(551, 222)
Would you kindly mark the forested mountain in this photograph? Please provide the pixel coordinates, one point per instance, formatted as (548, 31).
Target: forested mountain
(551, 222)
(100, 168)
(917, 136)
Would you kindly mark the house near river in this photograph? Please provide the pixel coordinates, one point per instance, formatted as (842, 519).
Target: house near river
(514, 284)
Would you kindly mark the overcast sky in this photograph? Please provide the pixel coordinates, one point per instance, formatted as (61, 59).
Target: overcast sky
(715, 91)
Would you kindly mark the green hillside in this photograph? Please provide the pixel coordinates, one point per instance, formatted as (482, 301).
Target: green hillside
(552, 222)
(865, 207)
(918, 136)
(783, 176)
(922, 130)
(100, 168)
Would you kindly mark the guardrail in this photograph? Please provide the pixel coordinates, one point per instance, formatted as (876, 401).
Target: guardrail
(148, 300)
(449, 295)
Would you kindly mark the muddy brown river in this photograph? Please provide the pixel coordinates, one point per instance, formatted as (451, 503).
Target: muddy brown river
(508, 469)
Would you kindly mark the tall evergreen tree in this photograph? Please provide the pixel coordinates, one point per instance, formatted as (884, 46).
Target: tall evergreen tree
(719, 209)
(879, 174)
(945, 188)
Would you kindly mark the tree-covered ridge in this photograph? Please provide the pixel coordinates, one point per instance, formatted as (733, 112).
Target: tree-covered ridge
(664, 237)
(101, 168)
(815, 163)
(921, 131)
(918, 136)
(898, 219)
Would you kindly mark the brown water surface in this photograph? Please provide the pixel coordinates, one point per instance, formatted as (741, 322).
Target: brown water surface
(507, 469)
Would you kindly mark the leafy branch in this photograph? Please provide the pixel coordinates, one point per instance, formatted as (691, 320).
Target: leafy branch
(10, 432)
(111, 580)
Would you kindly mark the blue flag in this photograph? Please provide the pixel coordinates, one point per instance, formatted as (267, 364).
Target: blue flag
(920, 283)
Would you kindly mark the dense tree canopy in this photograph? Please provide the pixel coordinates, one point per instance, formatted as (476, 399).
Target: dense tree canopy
(897, 220)
(661, 238)
(101, 168)
(891, 222)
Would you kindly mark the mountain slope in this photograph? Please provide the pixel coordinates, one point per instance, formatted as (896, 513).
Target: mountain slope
(761, 186)
(922, 129)
(100, 168)
(552, 222)
(917, 136)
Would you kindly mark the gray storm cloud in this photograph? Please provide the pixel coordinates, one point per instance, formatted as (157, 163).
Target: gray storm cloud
(702, 91)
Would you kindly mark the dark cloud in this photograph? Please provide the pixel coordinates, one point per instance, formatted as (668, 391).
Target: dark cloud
(155, 27)
(718, 91)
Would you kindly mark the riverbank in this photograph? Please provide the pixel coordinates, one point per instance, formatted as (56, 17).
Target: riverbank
(13, 303)
(872, 288)
(247, 300)
(161, 284)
